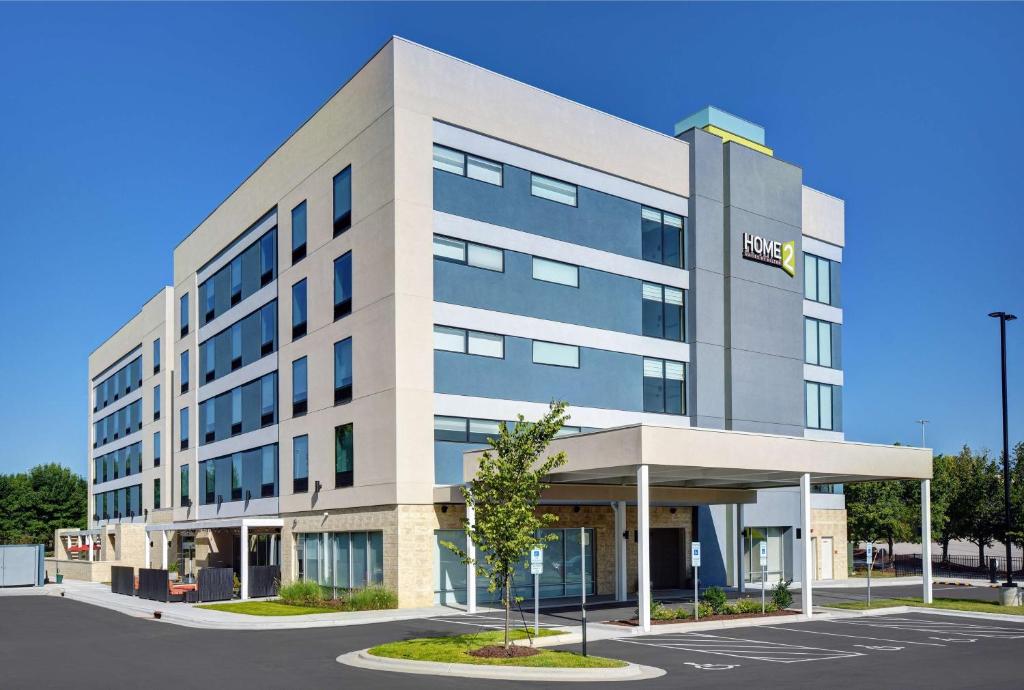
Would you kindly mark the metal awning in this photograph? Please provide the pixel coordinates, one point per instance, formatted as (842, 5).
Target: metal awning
(217, 523)
(719, 459)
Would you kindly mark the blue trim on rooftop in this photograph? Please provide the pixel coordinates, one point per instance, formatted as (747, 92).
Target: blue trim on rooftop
(711, 115)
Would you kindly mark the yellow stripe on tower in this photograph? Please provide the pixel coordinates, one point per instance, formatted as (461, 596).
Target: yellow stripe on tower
(742, 141)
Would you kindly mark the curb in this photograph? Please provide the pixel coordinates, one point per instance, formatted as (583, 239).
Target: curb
(363, 659)
(890, 610)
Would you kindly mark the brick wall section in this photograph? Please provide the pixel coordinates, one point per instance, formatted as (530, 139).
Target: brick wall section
(831, 523)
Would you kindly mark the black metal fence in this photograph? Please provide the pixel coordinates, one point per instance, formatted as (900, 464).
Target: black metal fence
(216, 584)
(957, 566)
(122, 580)
(153, 584)
(263, 580)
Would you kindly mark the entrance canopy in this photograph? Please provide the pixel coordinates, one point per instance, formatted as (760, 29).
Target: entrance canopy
(221, 523)
(717, 459)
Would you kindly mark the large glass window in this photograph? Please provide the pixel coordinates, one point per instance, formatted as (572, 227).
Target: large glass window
(340, 561)
(664, 386)
(156, 494)
(343, 285)
(753, 537)
(818, 342)
(235, 270)
(183, 371)
(119, 384)
(251, 269)
(268, 258)
(467, 165)
(471, 342)
(819, 279)
(183, 486)
(299, 309)
(156, 356)
(240, 476)
(820, 405)
(299, 233)
(208, 353)
(268, 400)
(343, 371)
(663, 312)
(299, 387)
(662, 237)
(183, 426)
(183, 315)
(157, 449)
(343, 201)
(554, 190)
(300, 464)
(556, 354)
(344, 458)
(469, 254)
(556, 272)
(156, 402)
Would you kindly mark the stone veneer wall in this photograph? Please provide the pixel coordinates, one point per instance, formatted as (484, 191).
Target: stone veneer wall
(831, 523)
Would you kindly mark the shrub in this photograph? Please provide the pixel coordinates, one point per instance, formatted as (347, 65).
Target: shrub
(781, 596)
(371, 599)
(748, 605)
(715, 596)
(660, 612)
(704, 609)
(301, 592)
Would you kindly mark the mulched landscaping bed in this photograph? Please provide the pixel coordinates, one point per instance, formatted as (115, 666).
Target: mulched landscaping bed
(497, 651)
(633, 622)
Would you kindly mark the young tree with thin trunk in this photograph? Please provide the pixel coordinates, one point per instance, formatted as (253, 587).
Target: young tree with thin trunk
(504, 496)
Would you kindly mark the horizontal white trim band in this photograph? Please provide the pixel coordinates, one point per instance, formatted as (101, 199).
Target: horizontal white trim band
(267, 293)
(250, 372)
(823, 312)
(112, 368)
(557, 332)
(818, 374)
(256, 506)
(236, 444)
(246, 242)
(822, 435)
(822, 249)
(566, 252)
(589, 417)
(504, 152)
(131, 480)
(121, 403)
(120, 443)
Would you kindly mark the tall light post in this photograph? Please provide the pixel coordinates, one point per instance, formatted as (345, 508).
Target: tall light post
(922, 422)
(1003, 318)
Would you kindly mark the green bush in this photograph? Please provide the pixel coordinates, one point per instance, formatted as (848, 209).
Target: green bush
(748, 605)
(301, 592)
(660, 612)
(781, 596)
(715, 596)
(371, 599)
(705, 609)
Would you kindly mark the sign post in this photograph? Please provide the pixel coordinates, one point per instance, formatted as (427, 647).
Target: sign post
(536, 569)
(583, 584)
(764, 571)
(869, 557)
(695, 559)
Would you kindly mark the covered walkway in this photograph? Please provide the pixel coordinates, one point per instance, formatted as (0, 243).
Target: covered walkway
(643, 456)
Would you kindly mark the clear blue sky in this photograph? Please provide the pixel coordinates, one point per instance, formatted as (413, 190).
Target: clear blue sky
(122, 126)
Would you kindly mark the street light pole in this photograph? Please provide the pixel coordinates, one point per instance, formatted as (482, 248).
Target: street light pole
(1003, 318)
(922, 422)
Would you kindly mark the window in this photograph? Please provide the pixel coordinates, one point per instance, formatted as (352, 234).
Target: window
(818, 279)
(183, 421)
(343, 455)
(450, 429)
(268, 399)
(556, 272)
(156, 402)
(469, 254)
(554, 190)
(343, 201)
(156, 356)
(183, 483)
(156, 449)
(820, 406)
(236, 477)
(300, 464)
(210, 365)
(299, 387)
(664, 386)
(471, 342)
(208, 298)
(662, 237)
(467, 165)
(340, 561)
(663, 312)
(183, 315)
(818, 342)
(268, 329)
(236, 280)
(343, 371)
(343, 285)
(156, 494)
(208, 421)
(184, 371)
(556, 354)
(268, 258)
(236, 411)
(299, 309)
(208, 473)
(268, 473)
(236, 343)
(299, 233)
(119, 384)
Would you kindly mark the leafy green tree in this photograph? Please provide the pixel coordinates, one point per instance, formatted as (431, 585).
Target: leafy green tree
(504, 495)
(979, 509)
(879, 511)
(1017, 495)
(35, 503)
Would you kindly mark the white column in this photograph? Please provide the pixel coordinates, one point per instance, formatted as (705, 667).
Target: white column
(643, 554)
(149, 547)
(741, 575)
(806, 577)
(163, 550)
(470, 568)
(620, 551)
(926, 540)
(88, 542)
(273, 547)
(243, 547)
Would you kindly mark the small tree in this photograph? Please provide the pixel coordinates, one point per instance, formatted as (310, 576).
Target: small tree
(504, 496)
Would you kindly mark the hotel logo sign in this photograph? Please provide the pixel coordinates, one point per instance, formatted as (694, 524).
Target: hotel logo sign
(770, 252)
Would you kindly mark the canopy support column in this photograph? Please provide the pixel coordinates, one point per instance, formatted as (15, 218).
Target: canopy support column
(243, 592)
(643, 562)
(806, 577)
(926, 540)
(163, 550)
(471, 566)
(741, 575)
(621, 540)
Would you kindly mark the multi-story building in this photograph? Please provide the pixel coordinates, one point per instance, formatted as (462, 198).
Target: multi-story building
(438, 249)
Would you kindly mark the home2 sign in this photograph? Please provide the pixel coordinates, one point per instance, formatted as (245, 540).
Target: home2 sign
(771, 252)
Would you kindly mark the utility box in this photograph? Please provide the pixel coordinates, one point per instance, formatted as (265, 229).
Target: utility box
(21, 565)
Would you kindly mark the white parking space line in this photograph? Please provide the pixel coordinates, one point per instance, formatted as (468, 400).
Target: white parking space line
(758, 650)
(940, 627)
(858, 637)
(488, 622)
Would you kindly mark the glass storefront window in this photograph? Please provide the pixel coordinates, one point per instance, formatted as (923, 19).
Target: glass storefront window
(752, 539)
(341, 560)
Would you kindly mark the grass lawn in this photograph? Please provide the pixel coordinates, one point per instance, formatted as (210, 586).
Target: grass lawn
(454, 650)
(267, 608)
(875, 574)
(950, 604)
